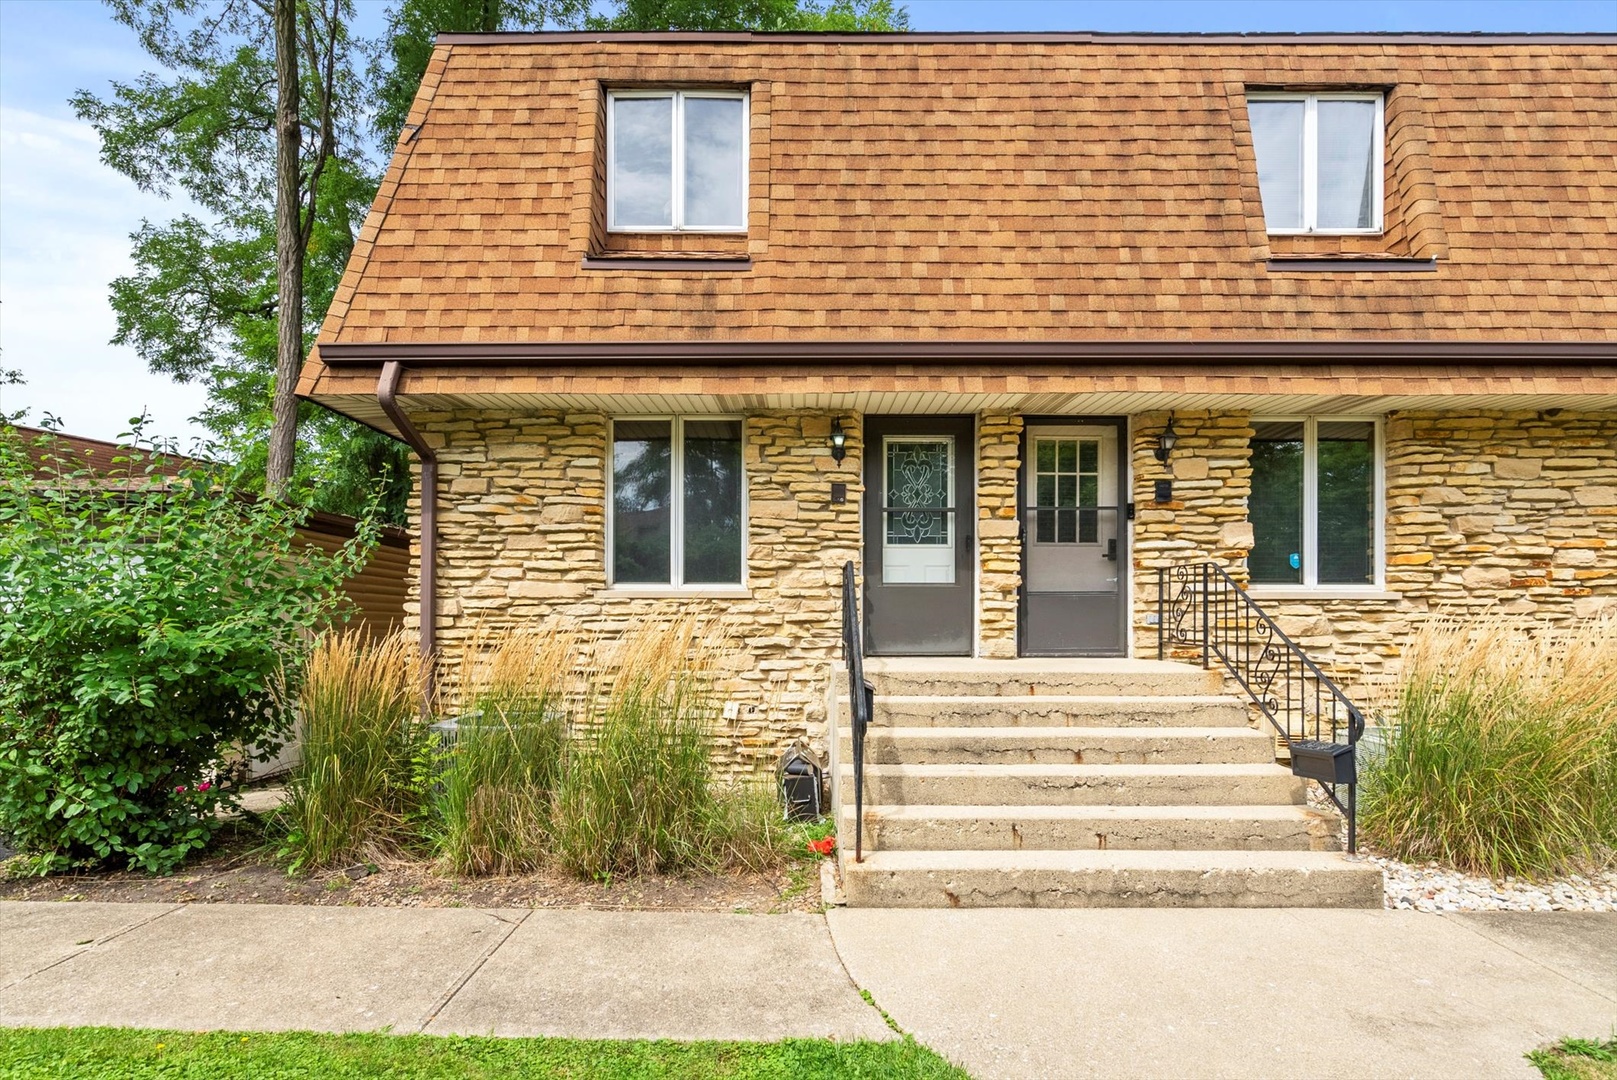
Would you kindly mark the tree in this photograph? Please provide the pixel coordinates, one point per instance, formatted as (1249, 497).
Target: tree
(840, 15)
(211, 299)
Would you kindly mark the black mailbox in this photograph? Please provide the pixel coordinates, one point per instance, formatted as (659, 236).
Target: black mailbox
(800, 786)
(1327, 762)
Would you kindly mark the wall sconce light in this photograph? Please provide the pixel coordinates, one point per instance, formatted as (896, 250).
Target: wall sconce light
(839, 441)
(1166, 441)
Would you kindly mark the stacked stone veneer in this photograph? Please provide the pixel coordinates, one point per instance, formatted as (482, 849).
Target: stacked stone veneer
(1206, 519)
(1508, 513)
(999, 458)
(1513, 514)
(522, 541)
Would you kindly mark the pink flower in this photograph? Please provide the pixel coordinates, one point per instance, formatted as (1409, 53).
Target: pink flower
(180, 790)
(204, 786)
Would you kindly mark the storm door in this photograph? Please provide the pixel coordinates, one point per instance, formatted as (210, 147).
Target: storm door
(920, 476)
(1073, 541)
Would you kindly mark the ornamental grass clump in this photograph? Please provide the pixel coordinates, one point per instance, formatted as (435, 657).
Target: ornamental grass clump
(639, 794)
(497, 778)
(1503, 759)
(361, 740)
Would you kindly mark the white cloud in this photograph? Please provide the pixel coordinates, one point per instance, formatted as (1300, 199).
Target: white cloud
(65, 221)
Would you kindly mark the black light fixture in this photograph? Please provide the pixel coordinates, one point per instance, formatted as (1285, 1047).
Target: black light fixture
(1166, 441)
(839, 441)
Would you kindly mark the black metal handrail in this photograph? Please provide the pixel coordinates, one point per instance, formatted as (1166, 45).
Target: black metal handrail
(1199, 605)
(861, 700)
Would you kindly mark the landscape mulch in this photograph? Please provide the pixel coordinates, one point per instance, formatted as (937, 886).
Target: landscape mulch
(239, 869)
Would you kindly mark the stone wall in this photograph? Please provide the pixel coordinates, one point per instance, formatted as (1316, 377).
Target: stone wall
(1210, 468)
(522, 540)
(1488, 513)
(999, 454)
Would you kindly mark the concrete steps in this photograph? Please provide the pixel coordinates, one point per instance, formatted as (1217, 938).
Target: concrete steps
(1064, 745)
(1045, 785)
(1022, 678)
(1094, 828)
(1083, 783)
(965, 879)
(1059, 710)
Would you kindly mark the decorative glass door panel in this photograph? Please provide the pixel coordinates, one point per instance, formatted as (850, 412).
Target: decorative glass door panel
(918, 528)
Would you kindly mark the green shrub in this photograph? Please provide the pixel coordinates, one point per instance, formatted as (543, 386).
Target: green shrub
(142, 617)
(362, 739)
(1504, 756)
(495, 784)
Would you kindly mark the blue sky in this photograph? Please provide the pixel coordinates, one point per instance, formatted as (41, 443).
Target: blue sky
(65, 218)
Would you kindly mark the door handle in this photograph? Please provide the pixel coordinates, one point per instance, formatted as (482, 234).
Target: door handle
(1111, 549)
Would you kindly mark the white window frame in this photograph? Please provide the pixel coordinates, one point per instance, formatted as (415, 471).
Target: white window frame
(679, 97)
(1310, 552)
(676, 515)
(1311, 160)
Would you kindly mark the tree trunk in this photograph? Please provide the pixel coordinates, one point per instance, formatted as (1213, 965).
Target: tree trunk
(288, 252)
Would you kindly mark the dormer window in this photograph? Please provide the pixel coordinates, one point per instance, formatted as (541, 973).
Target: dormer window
(676, 161)
(1319, 161)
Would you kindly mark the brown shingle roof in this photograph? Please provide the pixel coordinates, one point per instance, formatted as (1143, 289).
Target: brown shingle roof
(979, 188)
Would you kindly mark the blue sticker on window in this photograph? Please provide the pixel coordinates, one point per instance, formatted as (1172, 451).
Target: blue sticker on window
(1296, 561)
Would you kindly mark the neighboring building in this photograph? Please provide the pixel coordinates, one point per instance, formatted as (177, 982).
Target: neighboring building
(634, 283)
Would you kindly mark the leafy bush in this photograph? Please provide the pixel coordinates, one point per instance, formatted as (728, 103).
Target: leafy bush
(495, 785)
(1504, 756)
(361, 738)
(142, 617)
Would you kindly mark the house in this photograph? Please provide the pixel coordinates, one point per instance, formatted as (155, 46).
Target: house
(1012, 323)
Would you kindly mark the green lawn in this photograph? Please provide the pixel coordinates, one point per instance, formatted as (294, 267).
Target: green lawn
(129, 1054)
(1578, 1059)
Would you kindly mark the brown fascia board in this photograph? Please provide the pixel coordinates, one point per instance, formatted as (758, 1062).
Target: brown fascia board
(675, 353)
(966, 37)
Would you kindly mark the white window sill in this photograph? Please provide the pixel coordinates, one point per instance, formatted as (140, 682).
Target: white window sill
(664, 592)
(1327, 232)
(1319, 592)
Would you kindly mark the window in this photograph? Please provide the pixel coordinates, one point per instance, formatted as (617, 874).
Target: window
(1319, 161)
(1066, 490)
(676, 161)
(1315, 503)
(676, 502)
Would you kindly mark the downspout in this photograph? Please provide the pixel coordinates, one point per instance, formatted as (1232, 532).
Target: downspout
(386, 390)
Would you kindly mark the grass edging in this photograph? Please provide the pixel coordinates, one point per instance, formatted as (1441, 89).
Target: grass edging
(94, 1053)
(1577, 1059)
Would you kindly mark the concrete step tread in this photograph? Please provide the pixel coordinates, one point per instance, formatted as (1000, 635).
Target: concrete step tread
(957, 812)
(1022, 666)
(1064, 734)
(1325, 862)
(1115, 772)
(1074, 700)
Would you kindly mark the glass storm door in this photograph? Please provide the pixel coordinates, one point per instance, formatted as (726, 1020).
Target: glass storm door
(919, 511)
(1072, 542)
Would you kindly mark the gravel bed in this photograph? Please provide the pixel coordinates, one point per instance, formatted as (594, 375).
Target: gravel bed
(1431, 887)
(1436, 888)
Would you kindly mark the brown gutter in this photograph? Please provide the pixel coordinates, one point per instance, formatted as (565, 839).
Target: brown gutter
(1018, 353)
(386, 396)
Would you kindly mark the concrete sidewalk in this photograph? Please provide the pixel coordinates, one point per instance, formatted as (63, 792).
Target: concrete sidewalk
(584, 974)
(1005, 993)
(1236, 993)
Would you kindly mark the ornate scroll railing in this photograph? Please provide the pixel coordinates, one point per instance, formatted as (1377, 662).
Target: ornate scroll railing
(861, 700)
(1200, 607)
